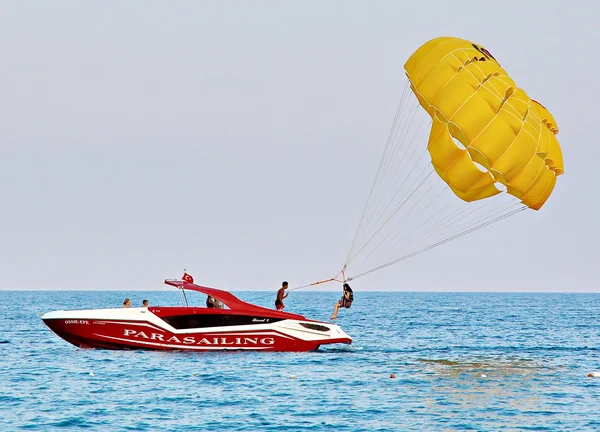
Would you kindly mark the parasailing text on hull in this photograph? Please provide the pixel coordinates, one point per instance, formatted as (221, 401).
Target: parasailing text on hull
(193, 340)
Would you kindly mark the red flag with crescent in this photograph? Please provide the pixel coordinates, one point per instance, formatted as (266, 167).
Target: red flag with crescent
(187, 278)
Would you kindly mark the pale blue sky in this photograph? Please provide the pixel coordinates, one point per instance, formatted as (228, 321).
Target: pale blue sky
(239, 140)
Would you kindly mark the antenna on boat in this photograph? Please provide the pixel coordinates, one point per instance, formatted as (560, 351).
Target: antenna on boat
(184, 298)
(186, 278)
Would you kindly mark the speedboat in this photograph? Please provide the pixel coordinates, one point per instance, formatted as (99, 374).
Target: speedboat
(236, 325)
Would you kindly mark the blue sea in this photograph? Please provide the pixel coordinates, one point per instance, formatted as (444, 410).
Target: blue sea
(462, 361)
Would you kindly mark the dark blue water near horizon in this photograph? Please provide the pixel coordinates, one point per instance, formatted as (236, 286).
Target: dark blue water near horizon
(462, 361)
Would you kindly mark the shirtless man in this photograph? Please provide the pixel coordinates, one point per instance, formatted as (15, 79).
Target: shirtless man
(280, 296)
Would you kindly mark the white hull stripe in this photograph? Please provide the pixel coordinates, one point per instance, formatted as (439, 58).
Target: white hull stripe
(136, 323)
(184, 346)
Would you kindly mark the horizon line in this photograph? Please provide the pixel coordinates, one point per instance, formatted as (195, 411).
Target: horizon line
(307, 290)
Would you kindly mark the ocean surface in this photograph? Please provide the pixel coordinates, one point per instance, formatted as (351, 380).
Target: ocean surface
(462, 361)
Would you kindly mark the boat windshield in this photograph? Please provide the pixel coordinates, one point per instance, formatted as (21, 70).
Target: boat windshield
(198, 299)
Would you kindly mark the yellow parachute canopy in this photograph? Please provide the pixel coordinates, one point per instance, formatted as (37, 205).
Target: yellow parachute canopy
(485, 129)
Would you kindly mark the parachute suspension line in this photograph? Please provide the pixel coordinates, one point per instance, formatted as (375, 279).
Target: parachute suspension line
(388, 159)
(390, 139)
(397, 150)
(389, 218)
(387, 250)
(396, 225)
(468, 222)
(409, 158)
(428, 230)
(401, 169)
(400, 188)
(408, 111)
(377, 213)
(397, 155)
(454, 217)
(410, 255)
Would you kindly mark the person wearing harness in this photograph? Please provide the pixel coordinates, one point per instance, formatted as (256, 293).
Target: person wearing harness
(345, 301)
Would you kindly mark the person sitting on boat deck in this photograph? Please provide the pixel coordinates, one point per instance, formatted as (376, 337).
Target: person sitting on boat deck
(126, 303)
(212, 302)
(345, 301)
(280, 296)
(145, 303)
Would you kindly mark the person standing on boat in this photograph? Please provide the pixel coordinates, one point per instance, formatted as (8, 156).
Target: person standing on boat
(280, 296)
(345, 301)
(126, 303)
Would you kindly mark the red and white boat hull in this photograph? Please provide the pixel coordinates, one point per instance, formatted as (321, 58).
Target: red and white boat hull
(143, 328)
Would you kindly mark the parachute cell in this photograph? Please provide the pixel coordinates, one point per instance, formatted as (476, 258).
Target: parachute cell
(471, 98)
